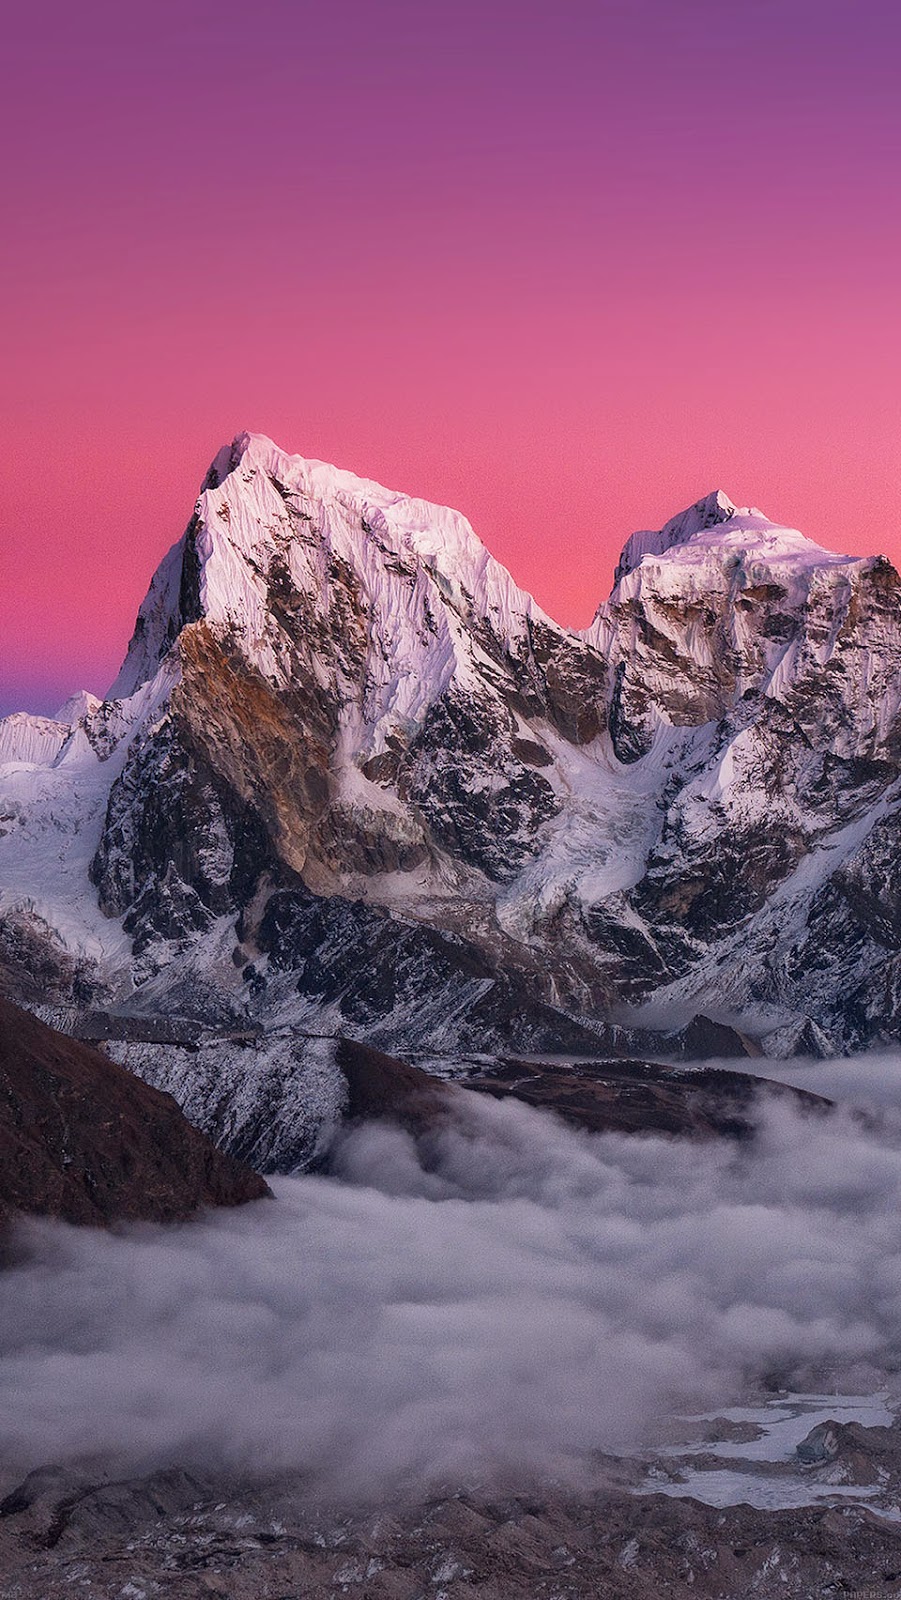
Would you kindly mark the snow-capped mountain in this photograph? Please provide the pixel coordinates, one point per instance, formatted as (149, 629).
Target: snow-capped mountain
(350, 772)
(339, 623)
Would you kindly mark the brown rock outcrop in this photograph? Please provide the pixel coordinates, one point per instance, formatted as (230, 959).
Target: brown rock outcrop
(380, 1086)
(642, 1096)
(599, 1096)
(84, 1140)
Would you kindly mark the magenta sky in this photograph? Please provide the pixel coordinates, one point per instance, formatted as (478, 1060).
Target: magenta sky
(564, 265)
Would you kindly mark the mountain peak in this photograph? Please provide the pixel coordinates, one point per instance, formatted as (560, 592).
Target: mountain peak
(79, 705)
(707, 512)
(253, 484)
(714, 528)
(271, 530)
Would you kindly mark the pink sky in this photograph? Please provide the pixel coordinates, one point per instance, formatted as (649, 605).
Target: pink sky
(566, 267)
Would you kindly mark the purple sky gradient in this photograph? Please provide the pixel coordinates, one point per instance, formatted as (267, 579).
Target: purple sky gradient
(564, 266)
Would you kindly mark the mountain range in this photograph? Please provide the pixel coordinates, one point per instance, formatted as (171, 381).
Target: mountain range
(352, 780)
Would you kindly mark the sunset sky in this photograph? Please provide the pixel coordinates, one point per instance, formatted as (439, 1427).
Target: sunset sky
(564, 266)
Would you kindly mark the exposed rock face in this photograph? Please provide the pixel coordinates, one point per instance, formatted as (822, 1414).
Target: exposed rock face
(351, 775)
(399, 980)
(86, 1141)
(642, 1097)
(599, 1096)
(785, 658)
(381, 1087)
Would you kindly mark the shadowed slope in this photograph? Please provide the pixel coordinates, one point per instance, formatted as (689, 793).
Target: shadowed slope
(83, 1139)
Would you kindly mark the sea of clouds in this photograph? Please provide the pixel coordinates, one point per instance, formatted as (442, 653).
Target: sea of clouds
(509, 1300)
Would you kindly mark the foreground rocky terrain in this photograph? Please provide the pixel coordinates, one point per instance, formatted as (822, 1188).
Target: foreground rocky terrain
(84, 1140)
(183, 1535)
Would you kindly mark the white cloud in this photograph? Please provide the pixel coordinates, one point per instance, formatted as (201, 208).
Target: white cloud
(513, 1297)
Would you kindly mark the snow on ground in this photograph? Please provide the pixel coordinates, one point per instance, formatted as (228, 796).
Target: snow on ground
(52, 808)
(782, 1423)
(221, 1087)
(731, 1487)
(56, 817)
(786, 1420)
(598, 844)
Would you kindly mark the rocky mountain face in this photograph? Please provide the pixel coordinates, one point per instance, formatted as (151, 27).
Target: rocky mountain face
(352, 779)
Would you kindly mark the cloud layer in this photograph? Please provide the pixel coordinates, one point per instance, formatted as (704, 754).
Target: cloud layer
(518, 1298)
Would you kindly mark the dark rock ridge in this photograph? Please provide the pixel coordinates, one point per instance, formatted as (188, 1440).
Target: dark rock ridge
(643, 1096)
(84, 1140)
(631, 1097)
(277, 1099)
(380, 1087)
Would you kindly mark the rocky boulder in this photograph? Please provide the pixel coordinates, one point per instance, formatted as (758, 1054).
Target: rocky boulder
(84, 1140)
